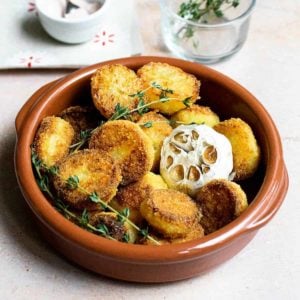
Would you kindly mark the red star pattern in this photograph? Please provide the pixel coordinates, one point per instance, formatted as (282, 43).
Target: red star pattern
(29, 61)
(104, 38)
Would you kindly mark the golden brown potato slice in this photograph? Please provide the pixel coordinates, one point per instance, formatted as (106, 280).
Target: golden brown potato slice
(196, 114)
(195, 232)
(131, 196)
(170, 212)
(52, 140)
(112, 85)
(221, 201)
(118, 230)
(182, 85)
(156, 236)
(157, 129)
(245, 150)
(81, 118)
(96, 172)
(129, 146)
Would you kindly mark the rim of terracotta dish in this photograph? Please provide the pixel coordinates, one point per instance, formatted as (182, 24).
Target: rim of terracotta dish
(142, 253)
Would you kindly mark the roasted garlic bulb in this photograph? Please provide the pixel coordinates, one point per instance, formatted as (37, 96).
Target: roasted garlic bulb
(193, 155)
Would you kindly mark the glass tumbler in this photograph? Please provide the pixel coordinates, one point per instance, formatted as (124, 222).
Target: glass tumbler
(208, 42)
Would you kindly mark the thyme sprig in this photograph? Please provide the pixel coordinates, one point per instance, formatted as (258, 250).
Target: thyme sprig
(43, 181)
(143, 106)
(72, 183)
(149, 124)
(83, 220)
(195, 10)
(124, 215)
(83, 138)
(123, 112)
(200, 11)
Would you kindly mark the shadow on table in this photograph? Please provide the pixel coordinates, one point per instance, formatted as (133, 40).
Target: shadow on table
(20, 230)
(33, 30)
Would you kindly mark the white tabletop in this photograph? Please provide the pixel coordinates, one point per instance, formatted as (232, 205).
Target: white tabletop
(268, 268)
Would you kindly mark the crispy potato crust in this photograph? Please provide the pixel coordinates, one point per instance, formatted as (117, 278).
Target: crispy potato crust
(116, 228)
(184, 85)
(159, 130)
(195, 232)
(132, 195)
(221, 201)
(170, 212)
(112, 84)
(97, 172)
(81, 118)
(129, 146)
(52, 140)
(196, 114)
(245, 150)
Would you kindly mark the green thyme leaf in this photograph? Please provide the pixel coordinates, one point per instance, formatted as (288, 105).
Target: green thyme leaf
(144, 232)
(94, 197)
(235, 3)
(120, 112)
(172, 122)
(156, 85)
(125, 212)
(102, 229)
(186, 101)
(72, 182)
(124, 215)
(140, 94)
(84, 218)
(43, 183)
(218, 13)
(53, 170)
(199, 11)
(163, 100)
(189, 32)
(35, 159)
(85, 134)
(126, 237)
(60, 205)
(141, 108)
(159, 87)
(148, 124)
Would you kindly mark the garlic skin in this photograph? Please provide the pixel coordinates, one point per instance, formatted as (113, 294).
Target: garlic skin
(192, 155)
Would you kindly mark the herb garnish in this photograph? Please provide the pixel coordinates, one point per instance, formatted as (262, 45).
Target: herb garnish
(201, 11)
(73, 182)
(123, 112)
(43, 181)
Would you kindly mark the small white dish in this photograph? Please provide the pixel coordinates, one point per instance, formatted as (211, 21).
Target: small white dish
(68, 30)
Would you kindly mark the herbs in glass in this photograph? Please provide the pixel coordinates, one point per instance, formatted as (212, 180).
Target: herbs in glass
(203, 12)
(205, 30)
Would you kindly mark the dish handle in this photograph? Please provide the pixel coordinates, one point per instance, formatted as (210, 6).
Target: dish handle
(275, 199)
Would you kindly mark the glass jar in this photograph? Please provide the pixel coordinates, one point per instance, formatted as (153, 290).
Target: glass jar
(210, 41)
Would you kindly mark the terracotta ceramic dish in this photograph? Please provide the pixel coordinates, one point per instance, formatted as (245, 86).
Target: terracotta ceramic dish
(266, 190)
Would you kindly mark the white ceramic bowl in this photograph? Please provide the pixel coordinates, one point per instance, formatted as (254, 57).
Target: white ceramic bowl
(71, 31)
